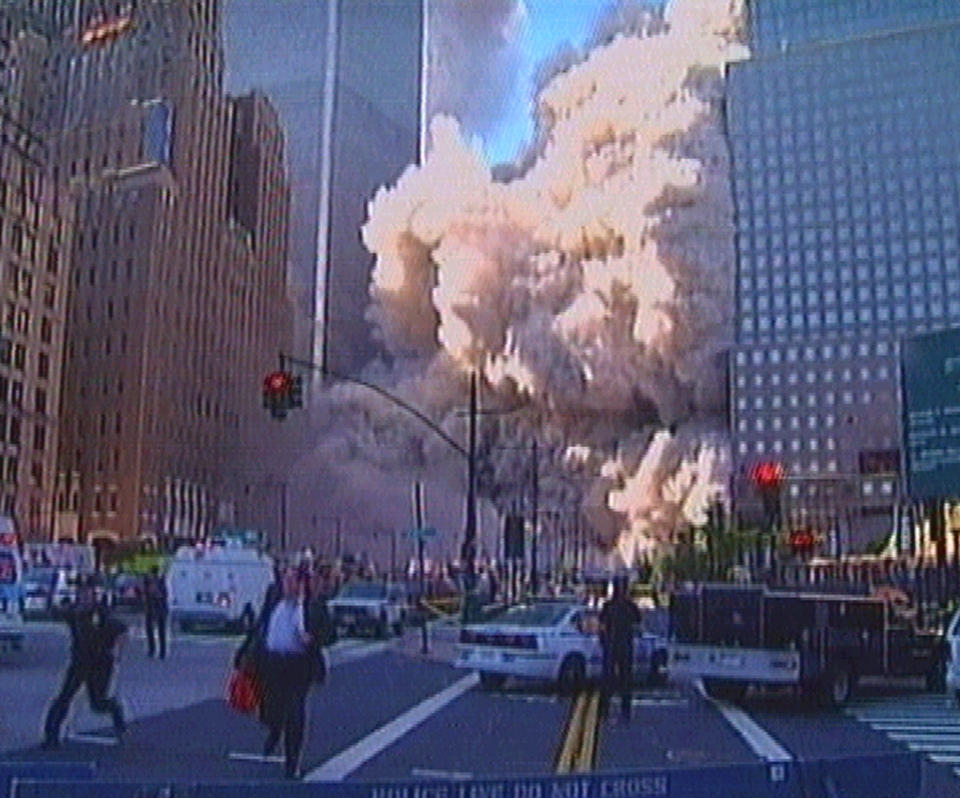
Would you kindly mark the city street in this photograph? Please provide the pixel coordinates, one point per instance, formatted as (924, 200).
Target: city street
(390, 713)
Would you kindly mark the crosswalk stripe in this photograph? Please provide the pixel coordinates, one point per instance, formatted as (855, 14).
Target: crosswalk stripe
(928, 724)
(944, 747)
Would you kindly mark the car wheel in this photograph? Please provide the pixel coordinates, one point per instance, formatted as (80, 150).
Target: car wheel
(936, 678)
(398, 628)
(838, 686)
(247, 620)
(725, 690)
(573, 672)
(383, 630)
(658, 669)
(492, 681)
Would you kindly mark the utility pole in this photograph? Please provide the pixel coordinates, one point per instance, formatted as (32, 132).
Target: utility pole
(535, 465)
(283, 517)
(418, 521)
(469, 550)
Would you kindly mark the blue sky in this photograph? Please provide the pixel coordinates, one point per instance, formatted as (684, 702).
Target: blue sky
(550, 24)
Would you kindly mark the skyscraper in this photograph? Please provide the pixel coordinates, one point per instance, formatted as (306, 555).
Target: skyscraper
(847, 189)
(35, 241)
(178, 300)
(371, 132)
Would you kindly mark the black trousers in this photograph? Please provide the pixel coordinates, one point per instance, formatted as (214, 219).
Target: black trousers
(97, 679)
(617, 677)
(156, 624)
(286, 682)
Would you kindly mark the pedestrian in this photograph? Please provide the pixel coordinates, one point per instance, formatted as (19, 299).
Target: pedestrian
(155, 608)
(618, 618)
(286, 658)
(96, 638)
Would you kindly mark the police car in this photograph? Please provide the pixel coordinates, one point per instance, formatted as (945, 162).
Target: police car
(554, 641)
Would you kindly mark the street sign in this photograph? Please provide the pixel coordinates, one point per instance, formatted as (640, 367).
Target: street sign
(423, 533)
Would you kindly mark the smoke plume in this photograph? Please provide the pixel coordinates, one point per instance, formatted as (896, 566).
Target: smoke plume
(592, 290)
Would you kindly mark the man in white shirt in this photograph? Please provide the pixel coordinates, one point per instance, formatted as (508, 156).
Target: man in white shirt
(287, 667)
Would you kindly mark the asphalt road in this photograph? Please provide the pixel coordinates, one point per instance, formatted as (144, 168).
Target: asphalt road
(389, 713)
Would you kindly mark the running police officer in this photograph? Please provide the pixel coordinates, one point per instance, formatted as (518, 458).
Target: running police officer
(95, 638)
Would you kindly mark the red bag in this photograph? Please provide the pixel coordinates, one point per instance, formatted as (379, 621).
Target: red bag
(243, 692)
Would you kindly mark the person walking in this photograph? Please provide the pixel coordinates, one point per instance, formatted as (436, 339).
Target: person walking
(96, 638)
(155, 608)
(618, 618)
(286, 658)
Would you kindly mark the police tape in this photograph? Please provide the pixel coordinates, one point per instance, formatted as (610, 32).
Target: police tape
(896, 775)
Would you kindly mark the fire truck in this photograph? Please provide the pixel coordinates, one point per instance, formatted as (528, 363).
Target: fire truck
(732, 636)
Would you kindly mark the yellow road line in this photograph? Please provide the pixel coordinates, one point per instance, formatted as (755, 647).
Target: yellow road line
(588, 743)
(574, 732)
(580, 740)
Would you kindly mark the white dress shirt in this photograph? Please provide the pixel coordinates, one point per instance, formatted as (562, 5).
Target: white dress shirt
(285, 630)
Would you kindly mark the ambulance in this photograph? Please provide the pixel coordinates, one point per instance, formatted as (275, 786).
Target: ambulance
(11, 587)
(219, 586)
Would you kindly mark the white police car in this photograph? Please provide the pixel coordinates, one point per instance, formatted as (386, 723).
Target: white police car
(553, 641)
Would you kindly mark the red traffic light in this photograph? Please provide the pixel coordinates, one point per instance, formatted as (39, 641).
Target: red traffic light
(278, 383)
(802, 541)
(767, 475)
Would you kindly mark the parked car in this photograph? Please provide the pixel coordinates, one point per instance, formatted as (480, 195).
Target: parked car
(951, 645)
(370, 606)
(38, 590)
(127, 591)
(555, 641)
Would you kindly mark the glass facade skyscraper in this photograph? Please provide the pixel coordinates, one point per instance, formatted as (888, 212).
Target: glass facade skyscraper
(846, 181)
(776, 25)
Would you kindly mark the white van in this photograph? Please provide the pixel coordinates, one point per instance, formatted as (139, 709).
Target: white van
(217, 585)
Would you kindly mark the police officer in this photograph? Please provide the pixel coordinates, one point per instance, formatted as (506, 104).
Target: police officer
(618, 618)
(95, 640)
(155, 612)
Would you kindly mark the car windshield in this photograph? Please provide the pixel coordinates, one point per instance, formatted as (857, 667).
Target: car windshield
(363, 590)
(535, 614)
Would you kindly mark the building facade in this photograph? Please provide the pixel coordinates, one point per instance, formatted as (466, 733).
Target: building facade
(178, 302)
(372, 132)
(35, 241)
(846, 182)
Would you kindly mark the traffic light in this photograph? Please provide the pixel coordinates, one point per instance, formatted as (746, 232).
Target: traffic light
(278, 393)
(802, 541)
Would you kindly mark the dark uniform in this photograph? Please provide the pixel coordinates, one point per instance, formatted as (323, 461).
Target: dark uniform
(155, 612)
(93, 635)
(618, 618)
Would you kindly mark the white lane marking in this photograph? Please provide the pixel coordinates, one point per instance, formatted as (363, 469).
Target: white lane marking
(946, 748)
(925, 734)
(347, 761)
(916, 728)
(944, 759)
(97, 739)
(759, 740)
(427, 773)
(353, 653)
(245, 757)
